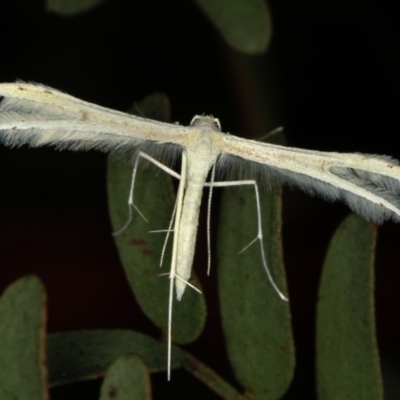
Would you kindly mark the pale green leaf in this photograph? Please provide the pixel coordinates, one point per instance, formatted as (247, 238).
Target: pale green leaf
(347, 354)
(245, 24)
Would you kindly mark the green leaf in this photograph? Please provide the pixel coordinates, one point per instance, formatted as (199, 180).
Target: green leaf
(22, 341)
(255, 320)
(126, 379)
(210, 378)
(347, 353)
(140, 250)
(71, 7)
(82, 355)
(245, 24)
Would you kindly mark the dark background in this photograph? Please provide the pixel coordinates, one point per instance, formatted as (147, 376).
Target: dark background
(333, 76)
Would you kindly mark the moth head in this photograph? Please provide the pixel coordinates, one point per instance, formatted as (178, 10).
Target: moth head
(206, 120)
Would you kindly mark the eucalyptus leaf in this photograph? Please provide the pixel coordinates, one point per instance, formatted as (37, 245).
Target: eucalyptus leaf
(126, 379)
(83, 355)
(210, 378)
(71, 7)
(347, 354)
(22, 341)
(245, 24)
(255, 320)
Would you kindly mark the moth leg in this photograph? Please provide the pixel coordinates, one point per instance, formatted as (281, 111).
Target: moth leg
(130, 197)
(130, 201)
(183, 280)
(259, 236)
(168, 231)
(209, 219)
(177, 176)
(172, 273)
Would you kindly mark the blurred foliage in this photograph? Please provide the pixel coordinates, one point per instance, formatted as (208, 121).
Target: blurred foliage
(70, 8)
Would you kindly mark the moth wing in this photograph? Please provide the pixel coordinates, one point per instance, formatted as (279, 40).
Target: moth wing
(368, 184)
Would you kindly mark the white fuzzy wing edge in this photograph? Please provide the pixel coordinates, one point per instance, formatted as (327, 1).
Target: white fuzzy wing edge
(37, 115)
(368, 184)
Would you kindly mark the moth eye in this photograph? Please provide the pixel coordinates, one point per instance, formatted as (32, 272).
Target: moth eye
(195, 119)
(216, 122)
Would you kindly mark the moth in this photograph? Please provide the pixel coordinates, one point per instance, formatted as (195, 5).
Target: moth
(37, 115)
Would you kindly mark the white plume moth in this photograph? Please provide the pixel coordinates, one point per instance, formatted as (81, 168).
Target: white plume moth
(38, 115)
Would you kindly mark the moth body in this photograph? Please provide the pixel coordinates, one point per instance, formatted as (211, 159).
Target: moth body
(201, 155)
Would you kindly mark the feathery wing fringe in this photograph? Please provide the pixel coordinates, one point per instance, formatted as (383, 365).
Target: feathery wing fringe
(368, 184)
(38, 115)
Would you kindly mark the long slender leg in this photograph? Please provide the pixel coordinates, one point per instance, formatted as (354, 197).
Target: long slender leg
(130, 202)
(177, 176)
(130, 197)
(263, 138)
(169, 230)
(209, 219)
(160, 165)
(259, 236)
(172, 273)
(177, 214)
